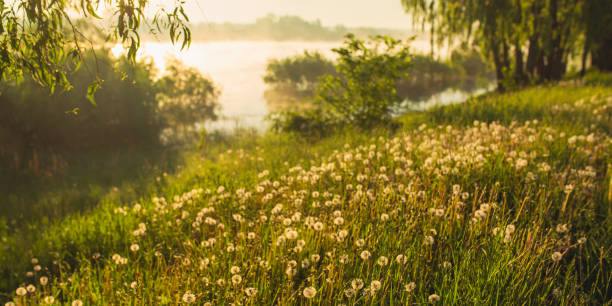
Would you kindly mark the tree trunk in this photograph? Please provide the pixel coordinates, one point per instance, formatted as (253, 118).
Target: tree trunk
(519, 72)
(532, 56)
(601, 56)
(498, 65)
(585, 53)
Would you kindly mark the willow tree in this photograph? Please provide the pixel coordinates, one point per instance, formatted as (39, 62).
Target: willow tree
(43, 39)
(598, 34)
(527, 40)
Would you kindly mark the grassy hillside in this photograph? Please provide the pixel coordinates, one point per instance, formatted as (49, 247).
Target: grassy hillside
(505, 198)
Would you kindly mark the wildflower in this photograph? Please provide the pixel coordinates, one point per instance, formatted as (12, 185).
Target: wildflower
(339, 221)
(21, 291)
(291, 234)
(49, 300)
(480, 214)
(318, 226)
(429, 240)
(37, 268)
(77, 303)
(433, 298)
(561, 228)
(375, 285)
(290, 271)
(410, 286)
(250, 291)
(360, 242)
(34, 261)
(447, 265)
(30, 288)
(401, 259)
(189, 297)
(315, 257)
(382, 261)
(556, 256)
(44, 280)
(357, 284)
(309, 292)
(134, 247)
(510, 229)
(384, 217)
(349, 293)
(236, 279)
(235, 269)
(582, 240)
(10, 304)
(365, 255)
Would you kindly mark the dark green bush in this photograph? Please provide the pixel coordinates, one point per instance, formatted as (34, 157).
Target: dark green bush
(125, 114)
(132, 110)
(363, 93)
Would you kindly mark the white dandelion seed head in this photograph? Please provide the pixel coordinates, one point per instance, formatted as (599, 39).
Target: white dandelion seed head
(189, 297)
(365, 255)
(382, 261)
(309, 292)
(49, 300)
(357, 284)
(77, 303)
(410, 286)
(375, 285)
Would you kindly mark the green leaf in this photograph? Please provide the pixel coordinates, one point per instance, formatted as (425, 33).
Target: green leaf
(91, 90)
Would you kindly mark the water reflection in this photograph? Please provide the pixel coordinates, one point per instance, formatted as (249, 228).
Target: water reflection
(237, 67)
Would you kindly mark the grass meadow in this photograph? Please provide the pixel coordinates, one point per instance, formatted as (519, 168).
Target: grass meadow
(504, 199)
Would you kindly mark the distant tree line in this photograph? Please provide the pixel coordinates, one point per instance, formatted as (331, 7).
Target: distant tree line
(277, 28)
(527, 40)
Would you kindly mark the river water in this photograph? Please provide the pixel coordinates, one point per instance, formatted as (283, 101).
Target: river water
(237, 68)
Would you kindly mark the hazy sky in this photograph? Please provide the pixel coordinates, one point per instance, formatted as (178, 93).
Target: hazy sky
(371, 13)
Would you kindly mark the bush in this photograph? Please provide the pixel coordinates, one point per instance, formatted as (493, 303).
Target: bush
(300, 72)
(67, 121)
(37, 129)
(363, 93)
(185, 98)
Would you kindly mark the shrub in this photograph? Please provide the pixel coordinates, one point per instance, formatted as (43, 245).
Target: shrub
(300, 73)
(363, 92)
(185, 98)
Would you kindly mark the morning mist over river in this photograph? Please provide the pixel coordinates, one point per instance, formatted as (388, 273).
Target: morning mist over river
(237, 67)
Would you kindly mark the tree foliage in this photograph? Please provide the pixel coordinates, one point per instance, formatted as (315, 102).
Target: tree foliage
(44, 39)
(33, 120)
(301, 72)
(137, 109)
(185, 98)
(364, 91)
(528, 40)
